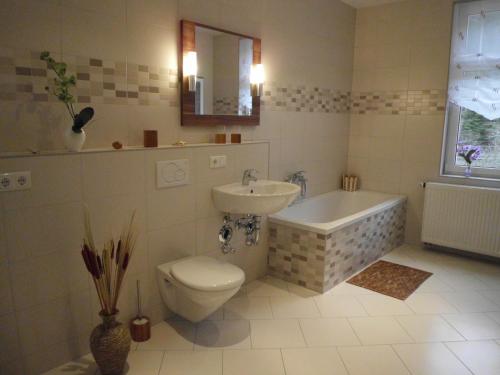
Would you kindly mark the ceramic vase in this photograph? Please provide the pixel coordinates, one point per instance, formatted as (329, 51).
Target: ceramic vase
(110, 345)
(74, 141)
(468, 171)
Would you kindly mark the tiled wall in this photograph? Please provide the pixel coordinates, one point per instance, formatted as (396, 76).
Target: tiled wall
(47, 302)
(97, 81)
(399, 86)
(125, 52)
(226, 106)
(305, 99)
(319, 262)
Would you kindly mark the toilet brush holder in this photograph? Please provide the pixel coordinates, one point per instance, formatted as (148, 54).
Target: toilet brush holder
(140, 329)
(140, 326)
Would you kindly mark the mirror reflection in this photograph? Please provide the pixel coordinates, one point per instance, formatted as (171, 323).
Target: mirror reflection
(223, 79)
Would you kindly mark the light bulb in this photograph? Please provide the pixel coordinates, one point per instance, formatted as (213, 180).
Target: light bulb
(257, 74)
(190, 66)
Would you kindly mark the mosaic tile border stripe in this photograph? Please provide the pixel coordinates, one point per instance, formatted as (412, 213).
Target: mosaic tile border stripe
(414, 102)
(24, 78)
(319, 262)
(226, 105)
(299, 98)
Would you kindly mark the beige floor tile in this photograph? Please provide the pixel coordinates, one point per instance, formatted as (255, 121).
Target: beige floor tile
(379, 330)
(280, 333)
(170, 335)
(470, 302)
(492, 295)
(339, 306)
(380, 305)
(292, 306)
(144, 362)
(399, 258)
(192, 363)
(474, 326)
(82, 366)
(328, 332)
(224, 334)
(348, 289)
(482, 357)
(267, 287)
(430, 359)
(372, 360)
(495, 316)
(429, 328)
(252, 362)
(301, 291)
(245, 307)
(429, 303)
(462, 281)
(491, 279)
(251, 335)
(317, 361)
(434, 285)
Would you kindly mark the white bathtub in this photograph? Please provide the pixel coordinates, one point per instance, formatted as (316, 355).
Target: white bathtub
(332, 211)
(326, 239)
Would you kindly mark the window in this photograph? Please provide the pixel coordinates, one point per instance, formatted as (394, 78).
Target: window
(473, 111)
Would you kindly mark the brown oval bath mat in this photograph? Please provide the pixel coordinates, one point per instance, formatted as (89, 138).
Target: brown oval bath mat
(391, 279)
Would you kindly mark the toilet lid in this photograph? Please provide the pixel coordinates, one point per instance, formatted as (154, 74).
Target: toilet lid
(205, 273)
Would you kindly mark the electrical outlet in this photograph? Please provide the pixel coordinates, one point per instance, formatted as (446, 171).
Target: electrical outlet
(15, 181)
(218, 161)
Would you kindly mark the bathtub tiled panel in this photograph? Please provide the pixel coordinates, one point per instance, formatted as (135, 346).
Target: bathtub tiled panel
(297, 255)
(319, 262)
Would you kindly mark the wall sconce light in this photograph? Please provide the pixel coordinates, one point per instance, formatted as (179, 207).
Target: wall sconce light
(190, 69)
(257, 79)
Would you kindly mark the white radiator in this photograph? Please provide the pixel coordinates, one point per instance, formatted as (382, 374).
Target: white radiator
(462, 217)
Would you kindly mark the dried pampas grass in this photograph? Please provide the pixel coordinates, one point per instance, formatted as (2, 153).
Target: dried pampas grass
(108, 266)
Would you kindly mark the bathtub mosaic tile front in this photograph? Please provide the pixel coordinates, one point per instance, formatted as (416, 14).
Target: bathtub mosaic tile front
(319, 262)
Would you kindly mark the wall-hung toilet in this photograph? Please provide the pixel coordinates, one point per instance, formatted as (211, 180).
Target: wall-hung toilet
(195, 287)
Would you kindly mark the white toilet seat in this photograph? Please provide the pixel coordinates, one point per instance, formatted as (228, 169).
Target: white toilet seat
(207, 274)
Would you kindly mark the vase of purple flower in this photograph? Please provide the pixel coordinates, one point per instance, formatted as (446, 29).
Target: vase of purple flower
(470, 154)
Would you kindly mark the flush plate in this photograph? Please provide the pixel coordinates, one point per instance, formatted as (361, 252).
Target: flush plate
(171, 173)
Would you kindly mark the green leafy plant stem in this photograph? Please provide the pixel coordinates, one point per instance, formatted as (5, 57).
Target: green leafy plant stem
(62, 82)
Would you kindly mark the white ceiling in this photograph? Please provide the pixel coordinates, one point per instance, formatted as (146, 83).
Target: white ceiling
(367, 3)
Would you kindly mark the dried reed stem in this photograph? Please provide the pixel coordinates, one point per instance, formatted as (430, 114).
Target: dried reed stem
(108, 267)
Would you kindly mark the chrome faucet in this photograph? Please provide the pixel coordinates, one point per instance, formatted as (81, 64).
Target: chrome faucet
(249, 175)
(299, 178)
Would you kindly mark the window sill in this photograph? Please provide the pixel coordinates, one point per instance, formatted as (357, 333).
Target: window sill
(470, 181)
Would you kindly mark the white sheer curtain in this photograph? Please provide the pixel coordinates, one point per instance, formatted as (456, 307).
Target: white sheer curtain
(475, 58)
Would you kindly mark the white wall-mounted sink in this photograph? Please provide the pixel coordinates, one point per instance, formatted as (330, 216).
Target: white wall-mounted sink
(261, 197)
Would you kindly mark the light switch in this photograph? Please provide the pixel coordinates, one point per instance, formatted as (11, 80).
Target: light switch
(218, 161)
(172, 173)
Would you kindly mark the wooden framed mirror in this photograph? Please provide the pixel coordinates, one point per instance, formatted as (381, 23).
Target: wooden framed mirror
(215, 68)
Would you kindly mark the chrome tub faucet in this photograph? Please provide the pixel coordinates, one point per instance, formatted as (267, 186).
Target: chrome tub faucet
(299, 178)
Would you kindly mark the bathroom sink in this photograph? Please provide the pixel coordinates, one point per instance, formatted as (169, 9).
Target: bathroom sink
(260, 197)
